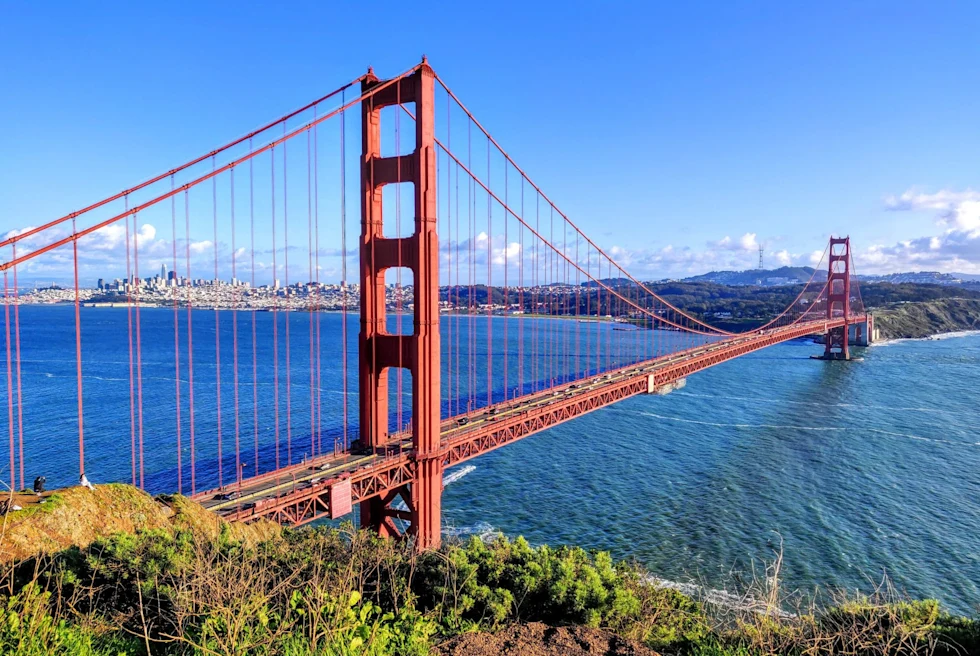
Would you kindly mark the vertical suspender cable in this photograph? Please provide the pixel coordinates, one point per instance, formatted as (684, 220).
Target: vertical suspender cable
(343, 260)
(173, 290)
(10, 383)
(255, 366)
(139, 346)
(285, 276)
(234, 329)
(506, 348)
(217, 323)
(130, 281)
(190, 340)
(459, 235)
(398, 269)
(489, 287)
(471, 216)
(316, 280)
(534, 307)
(275, 307)
(311, 291)
(78, 362)
(520, 295)
(449, 262)
(20, 400)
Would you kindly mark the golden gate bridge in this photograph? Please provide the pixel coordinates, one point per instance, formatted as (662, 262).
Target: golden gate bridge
(456, 363)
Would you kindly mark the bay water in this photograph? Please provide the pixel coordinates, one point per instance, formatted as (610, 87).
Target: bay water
(856, 469)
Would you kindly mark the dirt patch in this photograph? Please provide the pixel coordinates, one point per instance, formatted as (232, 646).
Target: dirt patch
(537, 639)
(79, 516)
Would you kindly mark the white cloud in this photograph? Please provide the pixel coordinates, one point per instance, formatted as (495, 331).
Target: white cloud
(748, 242)
(722, 254)
(957, 210)
(198, 247)
(956, 249)
(941, 200)
(479, 248)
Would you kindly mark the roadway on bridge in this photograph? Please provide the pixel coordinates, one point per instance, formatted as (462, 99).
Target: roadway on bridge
(234, 498)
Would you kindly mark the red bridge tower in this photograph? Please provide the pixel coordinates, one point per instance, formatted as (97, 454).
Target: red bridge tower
(838, 297)
(419, 351)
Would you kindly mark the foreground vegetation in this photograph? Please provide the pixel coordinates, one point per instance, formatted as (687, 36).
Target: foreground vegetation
(181, 589)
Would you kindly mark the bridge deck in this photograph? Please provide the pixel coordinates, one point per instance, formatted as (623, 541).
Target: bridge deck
(300, 493)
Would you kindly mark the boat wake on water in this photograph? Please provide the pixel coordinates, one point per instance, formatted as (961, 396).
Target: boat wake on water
(448, 479)
(453, 476)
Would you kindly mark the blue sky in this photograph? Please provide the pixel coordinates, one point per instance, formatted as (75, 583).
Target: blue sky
(678, 135)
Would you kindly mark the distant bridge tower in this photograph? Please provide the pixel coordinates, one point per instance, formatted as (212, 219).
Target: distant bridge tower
(760, 257)
(418, 352)
(838, 297)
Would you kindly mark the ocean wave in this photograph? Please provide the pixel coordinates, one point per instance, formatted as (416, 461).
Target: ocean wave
(770, 401)
(931, 338)
(482, 530)
(713, 596)
(828, 429)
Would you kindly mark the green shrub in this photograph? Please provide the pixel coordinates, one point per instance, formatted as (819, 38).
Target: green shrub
(485, 584)
(329, 592)
(958, 635)
(27, 628)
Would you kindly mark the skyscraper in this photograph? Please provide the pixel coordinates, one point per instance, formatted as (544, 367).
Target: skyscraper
(163, 272)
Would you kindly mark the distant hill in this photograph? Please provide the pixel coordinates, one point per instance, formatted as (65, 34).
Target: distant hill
(759, 277)
(797, 275)
(921, 277)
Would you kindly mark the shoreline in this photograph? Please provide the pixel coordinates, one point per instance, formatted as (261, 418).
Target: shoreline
(932, 337)
(885, 318)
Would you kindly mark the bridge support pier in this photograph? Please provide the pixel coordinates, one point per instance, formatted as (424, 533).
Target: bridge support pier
(380, 350)
(863, 332)
(661, 390)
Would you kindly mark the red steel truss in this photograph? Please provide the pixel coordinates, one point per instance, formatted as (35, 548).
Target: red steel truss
(390, 473)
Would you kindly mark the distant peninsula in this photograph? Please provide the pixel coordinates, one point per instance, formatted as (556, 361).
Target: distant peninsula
(909, 319)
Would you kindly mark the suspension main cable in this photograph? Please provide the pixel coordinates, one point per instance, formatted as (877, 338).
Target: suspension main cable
(800, 295)
(564, 216)
(76, 234)
(33, 231)
(537, 234)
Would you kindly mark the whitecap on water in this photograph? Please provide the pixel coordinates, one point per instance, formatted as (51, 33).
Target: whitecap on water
(452, 477)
